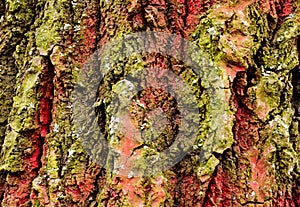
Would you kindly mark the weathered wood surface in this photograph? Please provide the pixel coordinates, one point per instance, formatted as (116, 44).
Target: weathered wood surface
(43, 45)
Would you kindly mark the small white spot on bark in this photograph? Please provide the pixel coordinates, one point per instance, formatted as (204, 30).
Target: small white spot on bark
(56, 128)
(67, 26)
(71, 152)
(279, 39)
(31, 105)
(130, 174)
(77, 28)
(211, 31)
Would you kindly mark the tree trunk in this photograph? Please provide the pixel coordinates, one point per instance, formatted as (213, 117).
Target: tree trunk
(254, 44)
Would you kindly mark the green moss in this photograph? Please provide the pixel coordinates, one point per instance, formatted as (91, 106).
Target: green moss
(24, 107)
(11, 159)
(50, 29)
(37, 204)
(205, 170)
(21, 12)
(47, 33)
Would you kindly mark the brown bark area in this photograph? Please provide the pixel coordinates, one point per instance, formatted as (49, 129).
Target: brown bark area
(43, 47)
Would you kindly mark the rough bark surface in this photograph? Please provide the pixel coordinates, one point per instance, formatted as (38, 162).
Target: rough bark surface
(256, 45)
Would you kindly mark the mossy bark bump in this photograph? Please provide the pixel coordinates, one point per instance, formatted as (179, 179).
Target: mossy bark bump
(256, 46)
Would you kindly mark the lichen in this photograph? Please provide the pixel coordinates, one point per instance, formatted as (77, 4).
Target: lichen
(47, 33)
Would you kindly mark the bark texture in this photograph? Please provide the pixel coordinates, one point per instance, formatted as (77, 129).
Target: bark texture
(256, 45)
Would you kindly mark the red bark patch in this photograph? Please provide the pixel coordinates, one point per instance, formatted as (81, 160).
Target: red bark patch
(220, 191)
(89, 33)
(190, 191)
(46, 91)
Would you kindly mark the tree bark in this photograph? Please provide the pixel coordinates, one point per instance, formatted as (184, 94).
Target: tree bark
(256, 46)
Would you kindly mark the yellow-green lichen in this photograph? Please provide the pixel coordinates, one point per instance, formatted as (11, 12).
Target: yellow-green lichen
(47, 33)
